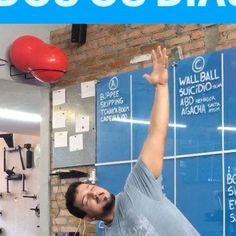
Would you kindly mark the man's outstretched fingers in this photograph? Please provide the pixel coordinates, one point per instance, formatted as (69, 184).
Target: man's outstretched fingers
(159, 50)
(154, 57)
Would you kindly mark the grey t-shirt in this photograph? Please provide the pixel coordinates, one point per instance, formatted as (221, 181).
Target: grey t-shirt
(143, 210)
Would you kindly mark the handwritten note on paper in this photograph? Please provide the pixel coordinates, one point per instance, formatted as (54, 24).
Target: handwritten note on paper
(58, 97)
(88, 89)
(76, 142)
(82, 124)
(58, 119)
(60, 139)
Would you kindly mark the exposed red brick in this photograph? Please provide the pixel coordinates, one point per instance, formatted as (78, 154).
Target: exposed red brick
(196, 34)
(169, 33)
(178, 40)
(227, 27)
(193, 45)
(231, 35)
(153, 28)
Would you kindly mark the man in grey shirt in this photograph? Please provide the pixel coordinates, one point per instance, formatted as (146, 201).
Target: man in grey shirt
(141, 209)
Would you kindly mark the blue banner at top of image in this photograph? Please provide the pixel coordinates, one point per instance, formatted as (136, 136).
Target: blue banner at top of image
(117, 11)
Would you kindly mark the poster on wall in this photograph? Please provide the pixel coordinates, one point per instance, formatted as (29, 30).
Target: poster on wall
(200, 160)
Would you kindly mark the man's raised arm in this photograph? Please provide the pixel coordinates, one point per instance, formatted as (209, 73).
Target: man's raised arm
(153, 149)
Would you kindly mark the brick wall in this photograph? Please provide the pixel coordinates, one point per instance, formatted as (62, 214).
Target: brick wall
(108, 50)
(61, 219)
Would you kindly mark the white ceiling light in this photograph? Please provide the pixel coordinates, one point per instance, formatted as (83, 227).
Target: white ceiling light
(145, 122)
(19, 116)
(227, 128)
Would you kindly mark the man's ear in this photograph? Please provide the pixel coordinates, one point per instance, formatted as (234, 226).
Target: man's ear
(89, 219)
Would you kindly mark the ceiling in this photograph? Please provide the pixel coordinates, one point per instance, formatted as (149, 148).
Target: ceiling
(20, 97)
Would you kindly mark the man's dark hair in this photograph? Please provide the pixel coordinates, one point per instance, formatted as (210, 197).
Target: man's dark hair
(70, 198)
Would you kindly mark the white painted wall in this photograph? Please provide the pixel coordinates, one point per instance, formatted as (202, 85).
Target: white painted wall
(19, 97)
(8, 34)
(17, 218)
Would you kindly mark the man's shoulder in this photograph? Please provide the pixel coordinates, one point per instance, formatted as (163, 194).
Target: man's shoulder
(141, 173)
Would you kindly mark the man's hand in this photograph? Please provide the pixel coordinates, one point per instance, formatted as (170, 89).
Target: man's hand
(159, 75)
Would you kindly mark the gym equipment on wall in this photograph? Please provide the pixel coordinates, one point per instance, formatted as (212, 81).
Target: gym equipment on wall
(8, 139)
(46, 62)
(11, 175)
(16, 149)
(30, 196)
(50, 64)
(37, 210)
(29, 156)
(22, 51)
(21, 159)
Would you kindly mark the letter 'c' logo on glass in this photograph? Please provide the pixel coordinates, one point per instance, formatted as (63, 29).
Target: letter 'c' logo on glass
(198, 64)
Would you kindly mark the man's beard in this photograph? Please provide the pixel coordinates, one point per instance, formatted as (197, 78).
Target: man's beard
(109, 205)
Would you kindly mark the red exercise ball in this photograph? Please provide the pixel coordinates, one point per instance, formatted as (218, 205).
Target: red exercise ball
(22, 51)
(49, 64)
